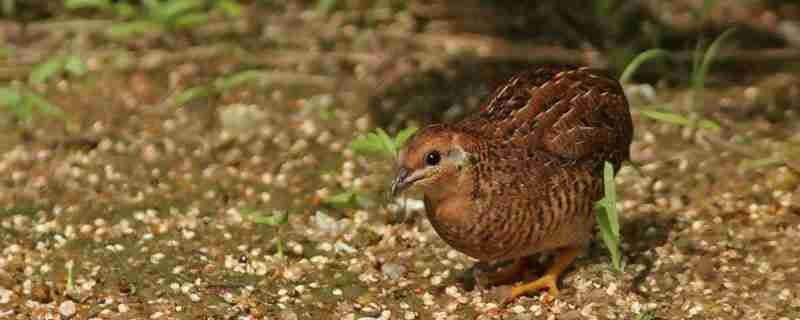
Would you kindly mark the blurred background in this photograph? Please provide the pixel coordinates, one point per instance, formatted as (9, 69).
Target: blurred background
(222, 158)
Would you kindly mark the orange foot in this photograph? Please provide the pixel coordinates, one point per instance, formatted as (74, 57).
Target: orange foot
(548, 280)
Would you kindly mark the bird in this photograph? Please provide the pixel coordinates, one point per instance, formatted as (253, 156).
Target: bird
(521, 176)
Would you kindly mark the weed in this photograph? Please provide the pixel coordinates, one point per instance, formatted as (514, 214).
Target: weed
(345, 199)
(608, 218)
(326, 6)
(19, 99)
(668, 117)
(157, 15)
(8, 7)
(221, 85)
(70, 284)
(376, 143)
(649, 315)
(276, 219)
(640, 59)
(380, 143)
(673, 118)
(701, 63)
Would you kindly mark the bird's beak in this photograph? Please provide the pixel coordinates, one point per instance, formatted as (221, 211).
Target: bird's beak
(401, 182)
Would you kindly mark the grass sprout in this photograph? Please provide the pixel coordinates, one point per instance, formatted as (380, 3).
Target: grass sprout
(22, 101)
(673, 118)
(640, 59)
(379, 142)
(157, 15)
(345, 199)
(701, 64)
(608, 218)
(276, 219)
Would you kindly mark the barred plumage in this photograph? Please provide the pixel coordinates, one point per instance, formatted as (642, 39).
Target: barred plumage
(522, 175)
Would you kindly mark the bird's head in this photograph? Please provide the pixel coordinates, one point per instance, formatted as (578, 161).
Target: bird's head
(432, 161)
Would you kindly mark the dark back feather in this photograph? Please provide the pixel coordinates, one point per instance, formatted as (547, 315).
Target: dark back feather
(579, 114)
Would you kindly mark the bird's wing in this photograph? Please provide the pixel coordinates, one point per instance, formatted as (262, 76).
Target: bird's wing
(573, 113)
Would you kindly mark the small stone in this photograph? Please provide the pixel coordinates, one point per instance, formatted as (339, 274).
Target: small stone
(67, 309)
(392, 270)
(5, 295)
(41, 293)
(288, 315)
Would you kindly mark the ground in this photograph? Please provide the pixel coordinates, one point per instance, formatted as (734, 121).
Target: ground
(138, 205)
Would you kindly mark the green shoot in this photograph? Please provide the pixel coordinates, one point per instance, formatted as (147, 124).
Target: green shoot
(640, 59)
(673, 118)
(648, 315)
(70, 64)
(347, 198)
(70, 284)
(8, 7)
(231, 8)
(276, 219)
(380, 143)
(326, 6)
(608, 218)
(237, 79)
(602, 8)
(22, 101)
(760, 163)
(701, 66)
(190, 94)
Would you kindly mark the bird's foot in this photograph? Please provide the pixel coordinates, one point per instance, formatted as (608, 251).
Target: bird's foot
(549, 279)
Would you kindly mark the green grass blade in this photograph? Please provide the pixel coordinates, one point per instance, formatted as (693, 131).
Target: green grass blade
(237, 79)
(608, 218)
(611, 242)
(368, 144)
(88, 4)
(387, 142)
(231, 8)
(673, 118)
(326, 6)
(171, 10)
(701, 70)
(760, 163)
(190, 94)
(128, 30)
(403, 136)
(9, 97)
(640, 59)
(666, 117)
(44, 105)
(610, 197)
(75, 66)
(152, 5)
(44, 71)
(191, 20)
(343, 199)
(124, 10)
(275, 219)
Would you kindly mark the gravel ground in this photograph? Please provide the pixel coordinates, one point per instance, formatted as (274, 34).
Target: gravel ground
(140, 211)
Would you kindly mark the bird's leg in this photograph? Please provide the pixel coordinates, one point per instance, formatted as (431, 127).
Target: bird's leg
(548, 281)
(486, 275)
(507, 273)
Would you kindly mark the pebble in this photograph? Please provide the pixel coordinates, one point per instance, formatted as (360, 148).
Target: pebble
(67, 309)
(41, 293)
(288, 315)
(5, 295)
(392, 270)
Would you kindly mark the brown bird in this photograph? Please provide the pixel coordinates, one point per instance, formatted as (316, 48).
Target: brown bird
(522, 175)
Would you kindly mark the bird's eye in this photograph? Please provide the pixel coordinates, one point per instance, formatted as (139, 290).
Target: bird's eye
(433, 158)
